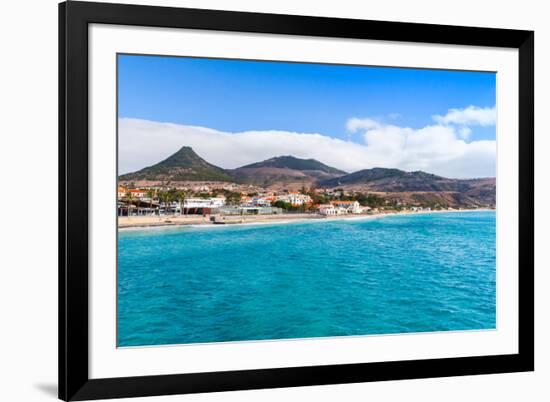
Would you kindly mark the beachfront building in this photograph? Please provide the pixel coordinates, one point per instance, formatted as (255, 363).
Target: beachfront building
(135, 202)
(350, 207)
(246, 210)
(202, 205)
(327, 209)
(246, 200)
(213, 202)
(136, 193)
(295, 199)
(261, 202)
(121, 192)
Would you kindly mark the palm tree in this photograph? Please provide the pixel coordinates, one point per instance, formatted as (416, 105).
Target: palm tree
(150, 194)
(181, 198)
(164, 196)
(129, 200)
(172, 196)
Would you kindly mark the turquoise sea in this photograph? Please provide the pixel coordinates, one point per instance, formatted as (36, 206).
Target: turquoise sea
(383, 275)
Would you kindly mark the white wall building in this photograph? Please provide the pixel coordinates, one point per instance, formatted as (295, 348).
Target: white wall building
(351, 207)
(204, 202)
(327, 210)
(295, 199)
(261, 202)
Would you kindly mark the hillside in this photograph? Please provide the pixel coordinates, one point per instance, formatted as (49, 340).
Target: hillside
(291, 173)
(465, 191)
(184, 165)
(284, 170)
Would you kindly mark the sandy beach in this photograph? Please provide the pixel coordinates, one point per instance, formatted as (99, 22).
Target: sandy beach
(156, 221)
(151, 221)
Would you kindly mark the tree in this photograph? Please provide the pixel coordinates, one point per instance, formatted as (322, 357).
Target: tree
(129, 200)
(150, 195)
(370, 200)
(165, 197)
(174, 195)
(233, 198)
(319, 199)
(180, 194)
(282, 204)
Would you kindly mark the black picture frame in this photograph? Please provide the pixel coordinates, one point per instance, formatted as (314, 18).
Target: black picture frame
(74, 381)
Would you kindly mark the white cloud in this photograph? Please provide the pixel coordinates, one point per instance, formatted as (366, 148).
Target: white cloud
(435, 149)
(355, 124)
(470, 116)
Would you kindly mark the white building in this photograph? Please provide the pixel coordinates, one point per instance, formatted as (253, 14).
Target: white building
(295, 199)
(215, 202)
(327, 209)
(135, 193)
(261, 202)
(350, 207)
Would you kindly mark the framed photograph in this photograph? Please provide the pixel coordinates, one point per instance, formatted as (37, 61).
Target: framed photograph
(257, 200)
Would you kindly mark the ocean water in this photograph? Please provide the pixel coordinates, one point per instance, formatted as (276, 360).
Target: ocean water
(383, 275)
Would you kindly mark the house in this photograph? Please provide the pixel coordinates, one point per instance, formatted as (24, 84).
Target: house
(121, 192)
(351, 207)
(135, 193)
(246, 200)
(327, 209)
(199, 203)
(295, 199)
(261, 201)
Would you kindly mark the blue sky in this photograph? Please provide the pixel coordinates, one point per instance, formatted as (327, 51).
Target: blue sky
(234, 95)
(234, 112)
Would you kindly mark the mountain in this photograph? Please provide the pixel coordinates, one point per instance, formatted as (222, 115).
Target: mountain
(291, 162)
(291, 173)
(415, 185)
(395, 180)
(284, 170)
(184, 165)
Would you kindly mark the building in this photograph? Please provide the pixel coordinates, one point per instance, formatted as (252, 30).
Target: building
(246, 200)
(295, 199)
(261, 202)
(123, 192)
(246, 210)
(327, 209)
(351, 207)
(214, 202)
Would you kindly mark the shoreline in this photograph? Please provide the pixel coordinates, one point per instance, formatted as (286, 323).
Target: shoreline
(155, 222)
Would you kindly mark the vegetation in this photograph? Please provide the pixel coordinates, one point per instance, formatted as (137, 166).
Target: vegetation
(291, 162)
(289, 207)
(184, 165)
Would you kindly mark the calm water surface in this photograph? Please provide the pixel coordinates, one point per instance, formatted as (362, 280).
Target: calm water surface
(395, 274)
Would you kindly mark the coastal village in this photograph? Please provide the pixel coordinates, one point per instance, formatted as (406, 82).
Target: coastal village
(186, 189)
(219, 202)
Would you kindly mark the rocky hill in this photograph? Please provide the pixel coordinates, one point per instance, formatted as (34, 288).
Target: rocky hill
(184, 165)
(467, 191)
(285, 170)
(291, 173)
